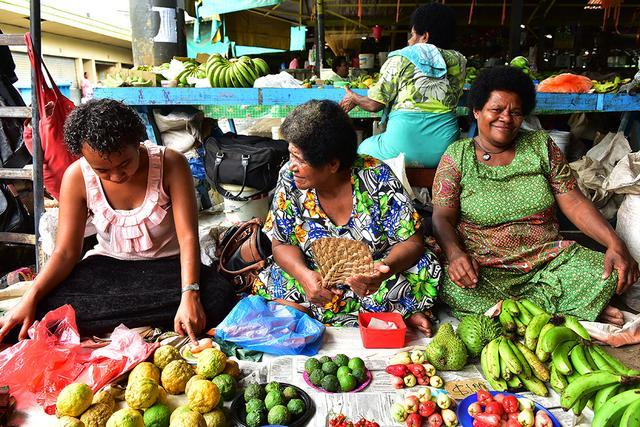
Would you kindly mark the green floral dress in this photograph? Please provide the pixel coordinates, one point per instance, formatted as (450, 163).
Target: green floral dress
(382, 216)
(508, 225)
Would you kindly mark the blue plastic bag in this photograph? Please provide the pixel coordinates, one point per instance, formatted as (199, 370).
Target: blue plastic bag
(258, 324)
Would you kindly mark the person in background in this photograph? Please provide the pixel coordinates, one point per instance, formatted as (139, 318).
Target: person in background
(295, 62)
(339, 70)
(494, 202)
(419, 88)
(86, 87)
(327, 190)
(145, 269)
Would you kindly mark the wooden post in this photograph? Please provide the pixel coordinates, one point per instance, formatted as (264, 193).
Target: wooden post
(319, 36)
(514, 23)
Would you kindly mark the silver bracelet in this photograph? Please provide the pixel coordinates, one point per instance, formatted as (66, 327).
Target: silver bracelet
(191, 287)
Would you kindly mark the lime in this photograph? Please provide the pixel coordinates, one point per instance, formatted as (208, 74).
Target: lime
(343, 370)
(347, 382)
(356, 362)
(341, 360)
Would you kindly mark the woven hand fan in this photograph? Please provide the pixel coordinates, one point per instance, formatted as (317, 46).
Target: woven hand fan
(339, 259)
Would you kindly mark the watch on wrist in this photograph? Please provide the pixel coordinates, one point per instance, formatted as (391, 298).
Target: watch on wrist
(191, 287)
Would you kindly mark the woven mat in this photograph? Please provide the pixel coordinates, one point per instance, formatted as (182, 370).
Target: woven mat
(339, 259)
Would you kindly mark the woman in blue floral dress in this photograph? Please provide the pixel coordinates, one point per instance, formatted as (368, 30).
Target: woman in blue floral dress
(327, 190)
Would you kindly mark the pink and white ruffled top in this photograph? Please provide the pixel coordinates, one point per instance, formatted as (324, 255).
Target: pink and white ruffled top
(145, 232)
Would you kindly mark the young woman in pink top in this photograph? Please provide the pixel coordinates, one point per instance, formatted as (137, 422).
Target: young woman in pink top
(145, 269)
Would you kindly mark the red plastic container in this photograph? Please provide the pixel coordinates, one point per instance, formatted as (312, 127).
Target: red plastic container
(382, 338)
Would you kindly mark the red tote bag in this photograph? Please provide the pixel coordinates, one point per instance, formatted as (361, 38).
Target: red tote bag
(56, 157)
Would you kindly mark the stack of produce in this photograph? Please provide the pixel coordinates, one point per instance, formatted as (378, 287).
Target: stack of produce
(506, 409)
(235, 72)
(342, 420)
(364, 81)
(191, 69)
(120, 80)
(210, 384)
(423, 408)
(522, 63)
(275, 403)
(336, 375)
(409, 370)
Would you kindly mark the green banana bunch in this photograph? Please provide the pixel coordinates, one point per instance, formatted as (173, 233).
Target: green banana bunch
(517, 315)
(237, 72)
(191, 69)
(510, 365)
(607, 86)
(621, 410)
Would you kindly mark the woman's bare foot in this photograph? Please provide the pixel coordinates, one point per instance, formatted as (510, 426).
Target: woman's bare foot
(421, 323)
(612, 315)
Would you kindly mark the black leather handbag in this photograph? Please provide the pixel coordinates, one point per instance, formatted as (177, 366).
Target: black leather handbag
(14, 217)
(246, 161)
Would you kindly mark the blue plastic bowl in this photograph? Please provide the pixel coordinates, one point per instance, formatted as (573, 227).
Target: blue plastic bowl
(466, 421)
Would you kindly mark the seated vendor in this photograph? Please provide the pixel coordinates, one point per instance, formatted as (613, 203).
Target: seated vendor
(339, 70)
(327, 190)
(494, 200)
(141, 199)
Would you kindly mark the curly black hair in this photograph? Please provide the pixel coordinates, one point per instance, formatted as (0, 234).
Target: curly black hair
(323, 132)
(438, 20)
(106, 125)
(338, 61)
(505, 78)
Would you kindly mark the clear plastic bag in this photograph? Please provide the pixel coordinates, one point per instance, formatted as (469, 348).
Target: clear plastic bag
(258, 324)
(37, 369)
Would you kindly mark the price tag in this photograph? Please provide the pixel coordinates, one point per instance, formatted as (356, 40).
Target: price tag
(463, 388)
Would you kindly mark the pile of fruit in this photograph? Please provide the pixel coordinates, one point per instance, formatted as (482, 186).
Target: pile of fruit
(506, 410)
(408, 370)
(424, 409)
(235, 72)
(581, 371)
(212, 382)
(364, 81)
(191, 69)
(609, 86)
(275, 403)
(341, 420)
(337, 375)
(118, 80)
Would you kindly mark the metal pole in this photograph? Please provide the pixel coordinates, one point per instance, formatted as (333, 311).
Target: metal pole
(38, 187)
(515, 30)
(319, 35)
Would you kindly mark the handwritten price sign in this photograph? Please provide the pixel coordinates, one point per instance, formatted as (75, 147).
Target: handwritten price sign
(463, 388)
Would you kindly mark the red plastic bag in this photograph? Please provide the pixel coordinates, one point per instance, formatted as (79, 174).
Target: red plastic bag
(56, 157)
(37, 369)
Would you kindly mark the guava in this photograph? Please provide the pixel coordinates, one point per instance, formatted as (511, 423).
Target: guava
(253, 391)
(67, 421)
(74, 399)
(157, 415)
(141, 394)
(278, 415)
(175, 376)
(188, 419)
(296, 407)
(145, 370)
(290, 393)
(255, 405)
(355, 363)
(126, 417)
(165, 354)
(255, 418)
(103, 396)
(274, 398)
(227, 385)
(211, 362)
(203, 396)
(216, 418)
(97, 415)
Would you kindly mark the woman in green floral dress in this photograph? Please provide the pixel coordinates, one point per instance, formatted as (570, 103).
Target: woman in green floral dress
(494, 215)
(327, 190)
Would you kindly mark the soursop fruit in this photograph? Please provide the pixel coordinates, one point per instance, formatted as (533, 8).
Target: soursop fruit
(447, 351)
(476, 331)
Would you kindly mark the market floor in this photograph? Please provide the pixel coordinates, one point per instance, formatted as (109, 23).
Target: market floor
(627, 355)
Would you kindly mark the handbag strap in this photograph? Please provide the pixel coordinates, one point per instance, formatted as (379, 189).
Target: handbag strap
(40, 80)
(227, 194)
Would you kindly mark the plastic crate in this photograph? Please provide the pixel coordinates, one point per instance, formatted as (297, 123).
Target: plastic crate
(382, 338)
